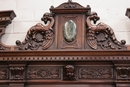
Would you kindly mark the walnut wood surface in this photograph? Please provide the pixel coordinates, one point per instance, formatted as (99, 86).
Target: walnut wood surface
(45, 59)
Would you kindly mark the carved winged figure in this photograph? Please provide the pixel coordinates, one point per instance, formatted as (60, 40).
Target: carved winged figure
(94, 31)
(38, 35)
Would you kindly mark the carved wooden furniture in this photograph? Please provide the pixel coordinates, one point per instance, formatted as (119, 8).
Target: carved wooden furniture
(70, 51)
(128, 12)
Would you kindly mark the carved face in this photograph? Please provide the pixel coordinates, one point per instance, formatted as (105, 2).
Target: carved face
(70, 71)
(94, 17)
(45, 17)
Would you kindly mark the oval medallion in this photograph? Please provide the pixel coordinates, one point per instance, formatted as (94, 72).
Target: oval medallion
(69, 31)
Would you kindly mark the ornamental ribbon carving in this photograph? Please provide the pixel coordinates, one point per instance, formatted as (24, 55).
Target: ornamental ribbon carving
(38, 35)
(45, 73)
(96, 73)
(102, 35)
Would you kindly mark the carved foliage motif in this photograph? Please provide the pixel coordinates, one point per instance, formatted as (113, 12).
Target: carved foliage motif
(69, 72)
(43, 73)
(96, 73)
(3, 73)
(38, 35)
(102, 35)
(17, 73)
(70, 4)
(123, 73)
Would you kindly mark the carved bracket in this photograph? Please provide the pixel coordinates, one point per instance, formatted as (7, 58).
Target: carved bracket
(17, 73)
(123, 73)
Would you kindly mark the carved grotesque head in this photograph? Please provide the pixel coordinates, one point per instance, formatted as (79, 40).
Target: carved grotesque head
(45, 17)
(69, 72)
(94, 16)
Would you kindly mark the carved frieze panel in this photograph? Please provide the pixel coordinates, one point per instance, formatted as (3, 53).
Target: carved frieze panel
(17, 73)
(95, 73)
(44, 73)
(3, 73)
(123, 73)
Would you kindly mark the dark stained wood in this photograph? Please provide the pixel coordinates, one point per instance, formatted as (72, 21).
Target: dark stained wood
(127, 12)
(46, 59)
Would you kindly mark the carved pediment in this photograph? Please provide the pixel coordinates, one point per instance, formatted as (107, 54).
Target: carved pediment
(70, 7)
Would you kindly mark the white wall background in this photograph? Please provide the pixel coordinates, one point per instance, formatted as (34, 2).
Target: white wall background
(29, 12)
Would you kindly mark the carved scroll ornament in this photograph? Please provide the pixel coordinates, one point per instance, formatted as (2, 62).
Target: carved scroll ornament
(38, 35)
(96, 32)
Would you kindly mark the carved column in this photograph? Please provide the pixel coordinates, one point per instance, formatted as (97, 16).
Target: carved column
(6, 18)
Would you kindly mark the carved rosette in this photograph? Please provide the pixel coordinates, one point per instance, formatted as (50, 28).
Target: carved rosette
(3, 73)
(39, 35)
(43, 73)
(17, 73)
(95, 73)
(69, 72)
(123, 73)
